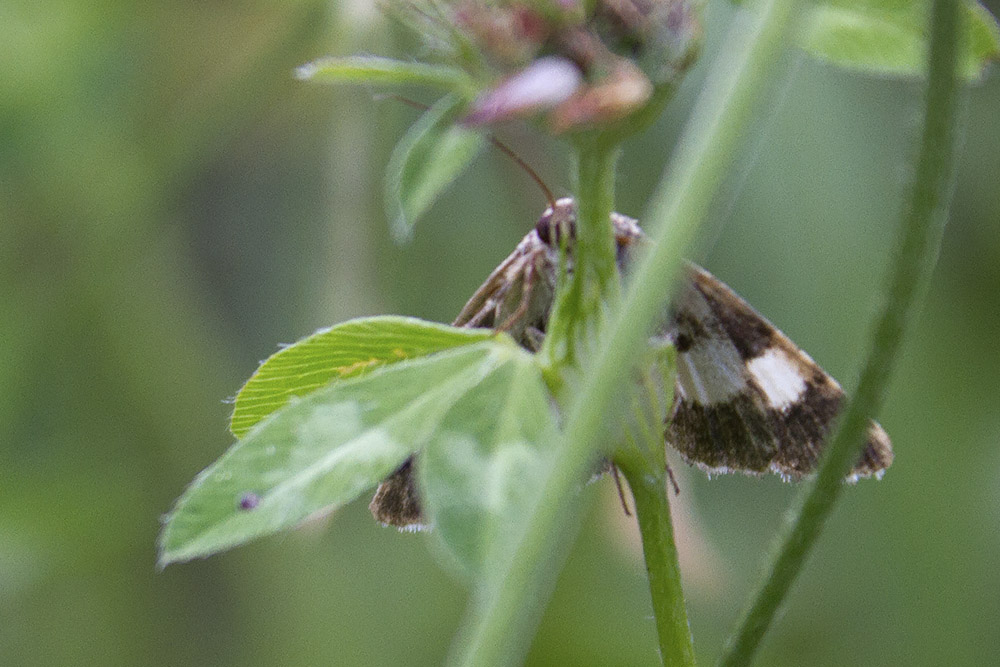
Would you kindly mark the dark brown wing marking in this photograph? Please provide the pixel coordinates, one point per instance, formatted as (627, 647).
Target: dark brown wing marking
(747, 398)
(396, 502)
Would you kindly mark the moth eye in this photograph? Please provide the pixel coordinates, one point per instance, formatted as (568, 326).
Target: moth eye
(544, 228)
(683, 342)
(550, 229)
(248, 501)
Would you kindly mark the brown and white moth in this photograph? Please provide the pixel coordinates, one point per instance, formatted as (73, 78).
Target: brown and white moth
(746, 399)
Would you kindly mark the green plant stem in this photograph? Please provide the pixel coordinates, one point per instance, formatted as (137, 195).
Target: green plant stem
(595, 242)
(921, 230)
(595, 282)
(506, 606)
(652, 508)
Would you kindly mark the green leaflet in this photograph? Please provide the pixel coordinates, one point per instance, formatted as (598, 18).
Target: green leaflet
(343, 351)
(383, 71)
(429, 157)
(891, 36)
(482, 470)
(324, 450)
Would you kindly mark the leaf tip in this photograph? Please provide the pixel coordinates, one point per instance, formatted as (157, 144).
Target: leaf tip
(162, 561)
(164, 555)
(305, 72)
(401, 229)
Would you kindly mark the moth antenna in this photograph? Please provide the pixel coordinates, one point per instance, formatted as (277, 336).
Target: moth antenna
(399, 98)
(527, 169)
(621, 491)
(436, 18)
(499, 145)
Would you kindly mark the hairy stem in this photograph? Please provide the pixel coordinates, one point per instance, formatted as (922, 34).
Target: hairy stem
(652, 509)
(507, 604)
(594, 282)
(921, 230)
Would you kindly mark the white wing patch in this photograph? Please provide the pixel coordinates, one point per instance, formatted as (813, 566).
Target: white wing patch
(778, 377)
(711, 372)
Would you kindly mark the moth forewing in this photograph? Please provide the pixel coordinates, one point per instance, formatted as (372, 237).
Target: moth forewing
(748, 399)
(396, 501)
(517, 296)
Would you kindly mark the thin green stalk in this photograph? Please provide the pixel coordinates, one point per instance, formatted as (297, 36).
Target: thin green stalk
(595, 242)
(652, 508)
(921, 230)
(643, 462)
(507, 605)
(594, 282)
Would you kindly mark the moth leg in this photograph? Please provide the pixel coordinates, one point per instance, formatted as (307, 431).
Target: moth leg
(496, 284)
(621, 491)
(527, 285)
(534, 337)
(479, 319)
(673, 481)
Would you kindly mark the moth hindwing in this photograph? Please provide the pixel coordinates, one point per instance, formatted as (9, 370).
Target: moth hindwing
(746, 398)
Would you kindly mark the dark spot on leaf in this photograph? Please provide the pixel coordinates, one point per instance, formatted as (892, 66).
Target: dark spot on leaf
(249, 501)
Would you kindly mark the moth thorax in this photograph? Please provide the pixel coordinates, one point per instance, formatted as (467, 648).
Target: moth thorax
(557, 222)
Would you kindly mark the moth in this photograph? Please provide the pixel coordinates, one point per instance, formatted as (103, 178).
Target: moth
(746, 399)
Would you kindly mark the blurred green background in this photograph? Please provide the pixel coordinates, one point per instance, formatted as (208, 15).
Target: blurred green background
(173, 205)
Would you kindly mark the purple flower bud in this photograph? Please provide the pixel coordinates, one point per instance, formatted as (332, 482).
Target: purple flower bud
(544, 84)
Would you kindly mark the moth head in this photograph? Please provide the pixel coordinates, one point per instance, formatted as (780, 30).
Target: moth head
(557, 222)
